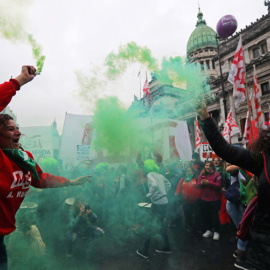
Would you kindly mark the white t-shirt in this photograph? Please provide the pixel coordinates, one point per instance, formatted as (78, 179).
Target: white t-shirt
(234, 178)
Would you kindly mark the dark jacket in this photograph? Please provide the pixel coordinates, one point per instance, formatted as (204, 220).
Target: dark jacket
(259, 244)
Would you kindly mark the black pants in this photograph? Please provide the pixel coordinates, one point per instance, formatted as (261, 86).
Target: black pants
(158, 221)
(3, 254)
(210, 212)
(191, 211)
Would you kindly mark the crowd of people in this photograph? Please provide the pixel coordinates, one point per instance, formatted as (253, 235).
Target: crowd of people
(147, 196)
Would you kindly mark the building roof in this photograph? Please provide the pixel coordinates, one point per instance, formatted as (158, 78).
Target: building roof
(203, 36)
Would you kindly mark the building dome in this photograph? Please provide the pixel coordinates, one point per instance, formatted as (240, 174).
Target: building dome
(203, 36)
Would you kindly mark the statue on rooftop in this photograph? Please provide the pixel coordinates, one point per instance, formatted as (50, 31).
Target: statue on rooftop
(267, 3)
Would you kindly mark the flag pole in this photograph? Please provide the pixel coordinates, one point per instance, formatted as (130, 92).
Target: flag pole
(247, 97)
(249, 109)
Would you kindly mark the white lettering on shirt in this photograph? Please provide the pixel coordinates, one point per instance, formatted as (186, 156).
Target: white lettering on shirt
(10, 195)
(20, 180)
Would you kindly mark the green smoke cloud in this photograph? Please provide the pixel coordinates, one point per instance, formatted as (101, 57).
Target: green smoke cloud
(116, 131)
(37, 50)
(13, 22)
(173, 71)
(90, 86)
(117, 62)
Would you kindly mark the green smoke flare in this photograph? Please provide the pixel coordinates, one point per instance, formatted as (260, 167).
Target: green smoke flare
(36, 49)
(13, 22)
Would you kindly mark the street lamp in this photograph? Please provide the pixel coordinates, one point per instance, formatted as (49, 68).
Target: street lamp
(221, 79)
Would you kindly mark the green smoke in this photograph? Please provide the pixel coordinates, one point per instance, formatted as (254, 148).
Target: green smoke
(172, 71)
(13, 22)
(37, 50)
(115, 130)
(177, 71)
(90, 86)
(130, 53)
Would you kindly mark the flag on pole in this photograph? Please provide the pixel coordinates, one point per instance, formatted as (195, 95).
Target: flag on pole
(230, 128)
(237, 75)
(146, 90)
(247, 130)
(198, 135)
(258, 116)
(247, 125)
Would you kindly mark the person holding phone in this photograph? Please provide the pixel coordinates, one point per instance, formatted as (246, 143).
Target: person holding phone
(210, 184)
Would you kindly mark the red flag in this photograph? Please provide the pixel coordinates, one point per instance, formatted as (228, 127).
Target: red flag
(258, 116)
(230, 128)
(198, 135)
(146, 90)
(237, 75)
(255, 132)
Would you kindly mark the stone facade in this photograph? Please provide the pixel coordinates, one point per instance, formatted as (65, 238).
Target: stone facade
(256, 48)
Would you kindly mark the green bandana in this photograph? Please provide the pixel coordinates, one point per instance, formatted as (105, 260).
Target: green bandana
(22, 160)
(219, 169)
(188, 178)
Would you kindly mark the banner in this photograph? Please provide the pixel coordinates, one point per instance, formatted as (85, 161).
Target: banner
(39, 141)
(170, 137)
(76, 138)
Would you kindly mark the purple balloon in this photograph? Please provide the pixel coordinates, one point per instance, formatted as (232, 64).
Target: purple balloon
(226, 26)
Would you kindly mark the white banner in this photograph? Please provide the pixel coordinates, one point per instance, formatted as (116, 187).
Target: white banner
(169, 137)
(39, 141)
(77, 133)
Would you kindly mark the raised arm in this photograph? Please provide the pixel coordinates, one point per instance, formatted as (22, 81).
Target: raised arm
(8, 89)
(235, 155)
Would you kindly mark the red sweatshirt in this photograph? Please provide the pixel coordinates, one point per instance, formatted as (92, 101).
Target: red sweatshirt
(14, 182)
(212, 191)
(189, 190)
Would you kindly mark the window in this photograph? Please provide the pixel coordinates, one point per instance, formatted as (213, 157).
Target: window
(207, 65)
(256, 52)
(242, 125)
(213, 65)
(264, 48)
(202, 65)
(265, 88)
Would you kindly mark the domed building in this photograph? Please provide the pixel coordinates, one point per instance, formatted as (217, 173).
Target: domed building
(202, 50)
(202, 46)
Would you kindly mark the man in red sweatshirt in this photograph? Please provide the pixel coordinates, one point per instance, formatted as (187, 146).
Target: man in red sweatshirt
(18, 170)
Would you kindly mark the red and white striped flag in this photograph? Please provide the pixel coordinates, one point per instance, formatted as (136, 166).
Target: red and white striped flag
(258, 116)
(146, 90)
(230, 128)
(198, 135)
(237, 75)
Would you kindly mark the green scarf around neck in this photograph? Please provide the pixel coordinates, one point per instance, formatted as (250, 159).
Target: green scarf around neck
(22, 160)
(188, 178)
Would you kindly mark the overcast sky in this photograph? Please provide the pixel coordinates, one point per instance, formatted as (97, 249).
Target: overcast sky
(75, 35)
